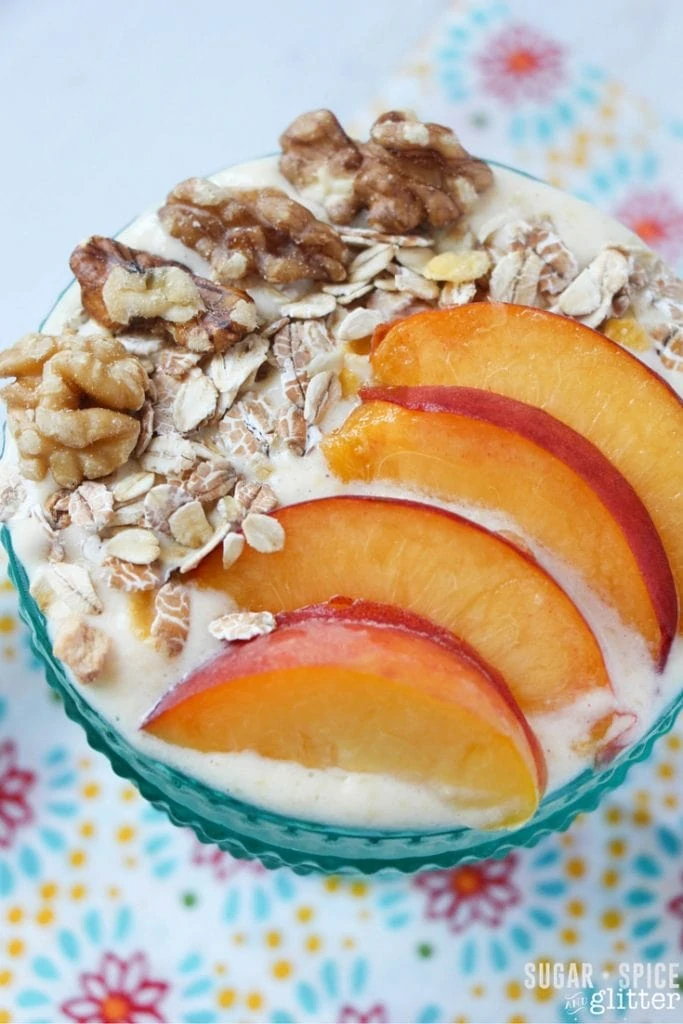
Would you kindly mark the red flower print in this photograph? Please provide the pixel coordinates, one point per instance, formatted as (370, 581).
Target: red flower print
(375, 1015)
(121, 992)
(675, 907)
(15, 784)
(222, 864)
(521, 64)
(474, 892)
(657, 218)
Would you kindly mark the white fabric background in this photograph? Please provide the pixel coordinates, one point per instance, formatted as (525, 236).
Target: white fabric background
(104, 106)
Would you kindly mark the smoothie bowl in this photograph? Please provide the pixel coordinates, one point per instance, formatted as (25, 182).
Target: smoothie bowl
(343, 498)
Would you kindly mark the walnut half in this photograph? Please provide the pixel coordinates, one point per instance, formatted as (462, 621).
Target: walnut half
(129, 289)
(69, 406)
(409, 174)
(246, 231)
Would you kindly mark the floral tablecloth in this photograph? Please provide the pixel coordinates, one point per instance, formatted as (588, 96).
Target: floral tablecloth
(109, 913)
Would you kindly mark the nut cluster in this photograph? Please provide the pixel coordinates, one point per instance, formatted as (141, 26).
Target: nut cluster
(127, 289)
(70, 406)
(253, 231)
(408, 175)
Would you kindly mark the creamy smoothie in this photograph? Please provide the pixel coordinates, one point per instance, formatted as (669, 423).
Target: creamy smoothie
(226, 440)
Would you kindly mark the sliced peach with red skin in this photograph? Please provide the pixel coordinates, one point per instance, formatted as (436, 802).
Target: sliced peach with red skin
(336, 686)
(572, 372)
(499, 601)
(473, 446)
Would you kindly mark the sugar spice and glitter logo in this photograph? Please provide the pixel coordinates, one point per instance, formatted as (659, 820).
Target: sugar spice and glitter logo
(630, 987)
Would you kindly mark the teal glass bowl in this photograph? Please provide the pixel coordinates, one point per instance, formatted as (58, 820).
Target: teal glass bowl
(245, 830)
(248, 831)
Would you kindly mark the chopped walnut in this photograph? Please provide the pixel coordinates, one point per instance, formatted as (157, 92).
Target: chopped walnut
(82, 647)
(246, 231)
(125, 289)
(171, 624)
(408, 175)
(71, 421)
(322, 161)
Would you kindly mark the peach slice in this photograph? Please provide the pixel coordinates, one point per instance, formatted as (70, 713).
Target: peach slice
(336, 686)
(466, 445)
(433, 563)
(575, 374)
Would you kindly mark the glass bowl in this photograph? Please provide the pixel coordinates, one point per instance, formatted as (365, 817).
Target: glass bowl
(248, 831)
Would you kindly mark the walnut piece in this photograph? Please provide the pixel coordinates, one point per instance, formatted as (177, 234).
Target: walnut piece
(246, 231)
(320, 158)
(82, 647)
(129, 289)
(66, 408)
(410, 174)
